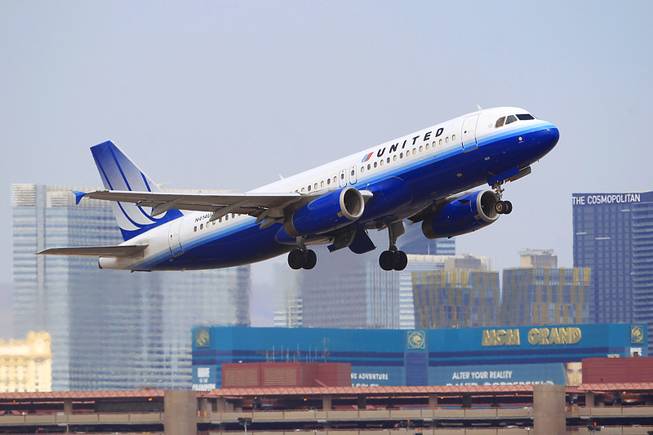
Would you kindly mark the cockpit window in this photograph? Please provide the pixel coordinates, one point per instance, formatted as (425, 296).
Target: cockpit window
(510, 119)
(499, 122)
(525, 116)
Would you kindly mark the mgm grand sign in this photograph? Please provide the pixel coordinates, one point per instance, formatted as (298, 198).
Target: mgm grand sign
(536, 336)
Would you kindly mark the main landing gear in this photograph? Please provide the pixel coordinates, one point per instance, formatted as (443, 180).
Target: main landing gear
(394, 259)
(302, 259)
(501, 207)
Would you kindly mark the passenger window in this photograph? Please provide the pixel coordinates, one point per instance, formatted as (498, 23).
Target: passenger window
(394, 158)
(446, 139)
(414, 151)
(201, 226)
(315, 186)
(427, 146)
(352, 172)
(499, 122)
(309, 188)
(342, 176)
(420, 149)
(303, 189)
(322, 184)
(381, 162)
(328, 181)
(226, 217)
(388, 160)
(335, 178)
(369, 166)
(375, 164)
(362, 169)
(511, 119)
(195, 228)
(219, 219)
(440, 141)
(453, 137)
(401, 155)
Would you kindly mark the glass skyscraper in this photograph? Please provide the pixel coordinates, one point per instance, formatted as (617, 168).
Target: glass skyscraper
(613, 236)
(109, 329)
(346, 290)
(461, 292)
(539, 292)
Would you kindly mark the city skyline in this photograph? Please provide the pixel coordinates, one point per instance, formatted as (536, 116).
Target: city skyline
(109, 330)
(187, 81)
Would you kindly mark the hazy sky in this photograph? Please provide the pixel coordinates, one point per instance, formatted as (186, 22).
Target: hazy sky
(229, 94)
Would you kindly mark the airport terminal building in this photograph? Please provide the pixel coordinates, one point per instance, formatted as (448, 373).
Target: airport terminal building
(466, 356)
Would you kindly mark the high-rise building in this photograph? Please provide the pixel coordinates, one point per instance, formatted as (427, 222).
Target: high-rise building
(539, 292)
(416, 263)
(414, 242)
(351, 291)
(109, 329)
(613, 236)
(462, 292)
(290, 310)
(346, 290)
(26, 364)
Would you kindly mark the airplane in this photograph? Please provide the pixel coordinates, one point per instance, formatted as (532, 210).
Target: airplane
(426, 176)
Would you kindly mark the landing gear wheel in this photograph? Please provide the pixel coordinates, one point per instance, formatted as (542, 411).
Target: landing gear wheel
(310, 259)
(387, 260)
(500, 207)
(400, 260)
(296, 259)
(508, 207)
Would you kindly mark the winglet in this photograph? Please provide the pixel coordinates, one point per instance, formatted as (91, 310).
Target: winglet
(78, 196)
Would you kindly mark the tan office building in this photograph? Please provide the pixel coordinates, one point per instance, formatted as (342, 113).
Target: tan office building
(26, 365)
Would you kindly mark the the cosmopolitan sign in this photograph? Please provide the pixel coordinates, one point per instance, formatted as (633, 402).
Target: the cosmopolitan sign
(606, 198)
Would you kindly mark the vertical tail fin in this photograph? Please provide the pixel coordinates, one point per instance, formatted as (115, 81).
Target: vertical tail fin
(118, 172)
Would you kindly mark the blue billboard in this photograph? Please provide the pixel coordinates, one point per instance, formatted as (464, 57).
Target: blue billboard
(470, 356)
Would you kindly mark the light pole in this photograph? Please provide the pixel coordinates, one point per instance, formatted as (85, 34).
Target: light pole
(244, 421)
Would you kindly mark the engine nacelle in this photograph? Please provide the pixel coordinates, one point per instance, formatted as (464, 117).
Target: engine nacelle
(329, 212)
(461, 215)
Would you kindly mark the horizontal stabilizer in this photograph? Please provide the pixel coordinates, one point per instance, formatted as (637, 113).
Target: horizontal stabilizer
(97, 251)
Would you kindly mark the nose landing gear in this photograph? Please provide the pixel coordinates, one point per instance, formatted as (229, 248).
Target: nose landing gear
(501, 207)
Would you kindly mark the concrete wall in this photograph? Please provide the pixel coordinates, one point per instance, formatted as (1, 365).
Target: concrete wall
(180, 412)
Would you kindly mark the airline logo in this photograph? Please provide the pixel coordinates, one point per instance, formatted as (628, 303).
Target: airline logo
(395, 147)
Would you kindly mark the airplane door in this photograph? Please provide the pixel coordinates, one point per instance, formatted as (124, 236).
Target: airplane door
(353, 178)
(342, 178)
(174, 238)
(468, 133)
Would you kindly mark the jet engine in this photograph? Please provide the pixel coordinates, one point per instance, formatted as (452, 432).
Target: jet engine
(329, 212)
(461, 215)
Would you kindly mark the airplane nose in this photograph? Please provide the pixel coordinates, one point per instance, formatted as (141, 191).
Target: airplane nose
(554, 135)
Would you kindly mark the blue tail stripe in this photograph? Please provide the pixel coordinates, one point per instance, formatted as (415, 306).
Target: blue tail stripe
(117, 170)
(129, 187)
(145, 181)
(124, 212)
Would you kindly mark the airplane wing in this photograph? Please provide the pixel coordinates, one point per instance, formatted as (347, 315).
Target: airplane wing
(97, 251)
(261, 205)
